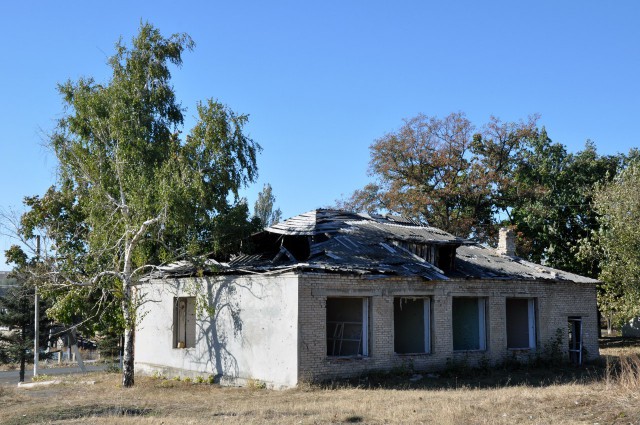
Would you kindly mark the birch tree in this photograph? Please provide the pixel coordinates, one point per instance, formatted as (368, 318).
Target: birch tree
(263, 208)
(131, 192)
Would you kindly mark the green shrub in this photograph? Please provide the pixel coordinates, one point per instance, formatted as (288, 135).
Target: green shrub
(40, 378)
(256, 384)
(113, 368)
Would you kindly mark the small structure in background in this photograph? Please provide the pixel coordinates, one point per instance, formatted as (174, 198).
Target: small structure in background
(631, 329)
(6, 282)
(65, 346)
(330, 294)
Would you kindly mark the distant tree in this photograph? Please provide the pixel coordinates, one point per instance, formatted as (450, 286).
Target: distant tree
(445, 173)
(132, 194)
(263, 207)
(17, 310)
(616, 244)
(16, 313)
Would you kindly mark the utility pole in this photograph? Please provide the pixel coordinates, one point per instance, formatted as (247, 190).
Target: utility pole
(36, 326)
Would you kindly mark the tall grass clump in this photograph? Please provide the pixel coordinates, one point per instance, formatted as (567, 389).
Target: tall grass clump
(626, 374)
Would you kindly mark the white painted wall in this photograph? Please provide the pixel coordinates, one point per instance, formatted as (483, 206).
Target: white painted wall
(252, 333)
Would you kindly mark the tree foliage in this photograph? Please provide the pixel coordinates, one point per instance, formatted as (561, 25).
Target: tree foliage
(17, 313)
(263, 207)
(470, 182)
(553, 211)
(131, 192)
(616, 244)
(445, 173)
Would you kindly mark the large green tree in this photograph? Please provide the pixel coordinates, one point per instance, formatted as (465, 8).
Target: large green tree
(445, 172)
(470, 181)
(132, 193)
(616, 244)
(553, 210)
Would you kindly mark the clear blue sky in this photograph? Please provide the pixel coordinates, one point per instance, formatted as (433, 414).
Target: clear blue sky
(322, 80)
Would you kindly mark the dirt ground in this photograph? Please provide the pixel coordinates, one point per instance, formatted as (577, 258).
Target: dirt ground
(602, 393)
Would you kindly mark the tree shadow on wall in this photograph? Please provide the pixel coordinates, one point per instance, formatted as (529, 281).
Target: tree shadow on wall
(219, 320)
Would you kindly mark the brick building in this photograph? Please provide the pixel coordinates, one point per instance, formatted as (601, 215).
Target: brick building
(333, 294)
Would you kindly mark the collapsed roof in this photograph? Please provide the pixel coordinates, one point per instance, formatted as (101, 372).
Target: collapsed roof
(326, 240)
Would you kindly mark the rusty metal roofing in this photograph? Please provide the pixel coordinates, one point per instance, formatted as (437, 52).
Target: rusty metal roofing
(326, 240)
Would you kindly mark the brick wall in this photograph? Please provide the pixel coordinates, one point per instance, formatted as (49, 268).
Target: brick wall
(555, 302)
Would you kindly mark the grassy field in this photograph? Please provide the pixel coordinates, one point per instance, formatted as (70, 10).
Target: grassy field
(599, 394)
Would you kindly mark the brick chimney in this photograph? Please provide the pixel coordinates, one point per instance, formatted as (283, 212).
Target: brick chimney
(506, 242)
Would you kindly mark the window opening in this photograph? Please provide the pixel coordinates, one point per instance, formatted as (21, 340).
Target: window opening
(575, 340)
(184, 322)
(425, 251)
(347, 326)
(468, 320)
(521, 323)
(411, 325)
(446, 258)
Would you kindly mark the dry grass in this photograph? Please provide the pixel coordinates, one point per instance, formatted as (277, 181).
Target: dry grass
(168, 402)
(618, 346)
(591, 397)
(42, 365)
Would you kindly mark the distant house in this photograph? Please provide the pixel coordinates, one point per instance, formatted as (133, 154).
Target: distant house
(631, 329)
(333, 294)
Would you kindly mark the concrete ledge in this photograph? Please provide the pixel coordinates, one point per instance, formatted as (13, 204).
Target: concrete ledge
(28, 385)
(169, 372)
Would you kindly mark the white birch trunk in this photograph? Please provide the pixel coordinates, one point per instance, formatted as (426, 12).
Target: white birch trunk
(129, 335)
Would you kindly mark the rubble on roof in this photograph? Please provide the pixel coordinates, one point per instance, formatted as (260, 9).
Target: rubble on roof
(327, 240)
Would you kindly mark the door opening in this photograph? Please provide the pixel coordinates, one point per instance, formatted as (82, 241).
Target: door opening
(575, 340)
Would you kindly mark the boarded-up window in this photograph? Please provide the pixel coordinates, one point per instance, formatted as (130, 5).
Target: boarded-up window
(347, 326)
(521, 323)
(411, 325)
(468, 320)
(184, 322)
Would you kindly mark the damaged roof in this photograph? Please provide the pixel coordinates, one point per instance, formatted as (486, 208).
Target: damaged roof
(326, 240)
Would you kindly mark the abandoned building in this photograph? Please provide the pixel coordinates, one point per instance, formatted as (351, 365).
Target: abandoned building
(332, 294)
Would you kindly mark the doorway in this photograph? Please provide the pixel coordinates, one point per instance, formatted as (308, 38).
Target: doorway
(575, 340)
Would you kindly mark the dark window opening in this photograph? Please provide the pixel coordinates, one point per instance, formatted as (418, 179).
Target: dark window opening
(446, 258)
(468, 321)
(184, 322)
(347, 326)
(411, 325)
(441, 256)
(424, 251)
(520, 318)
